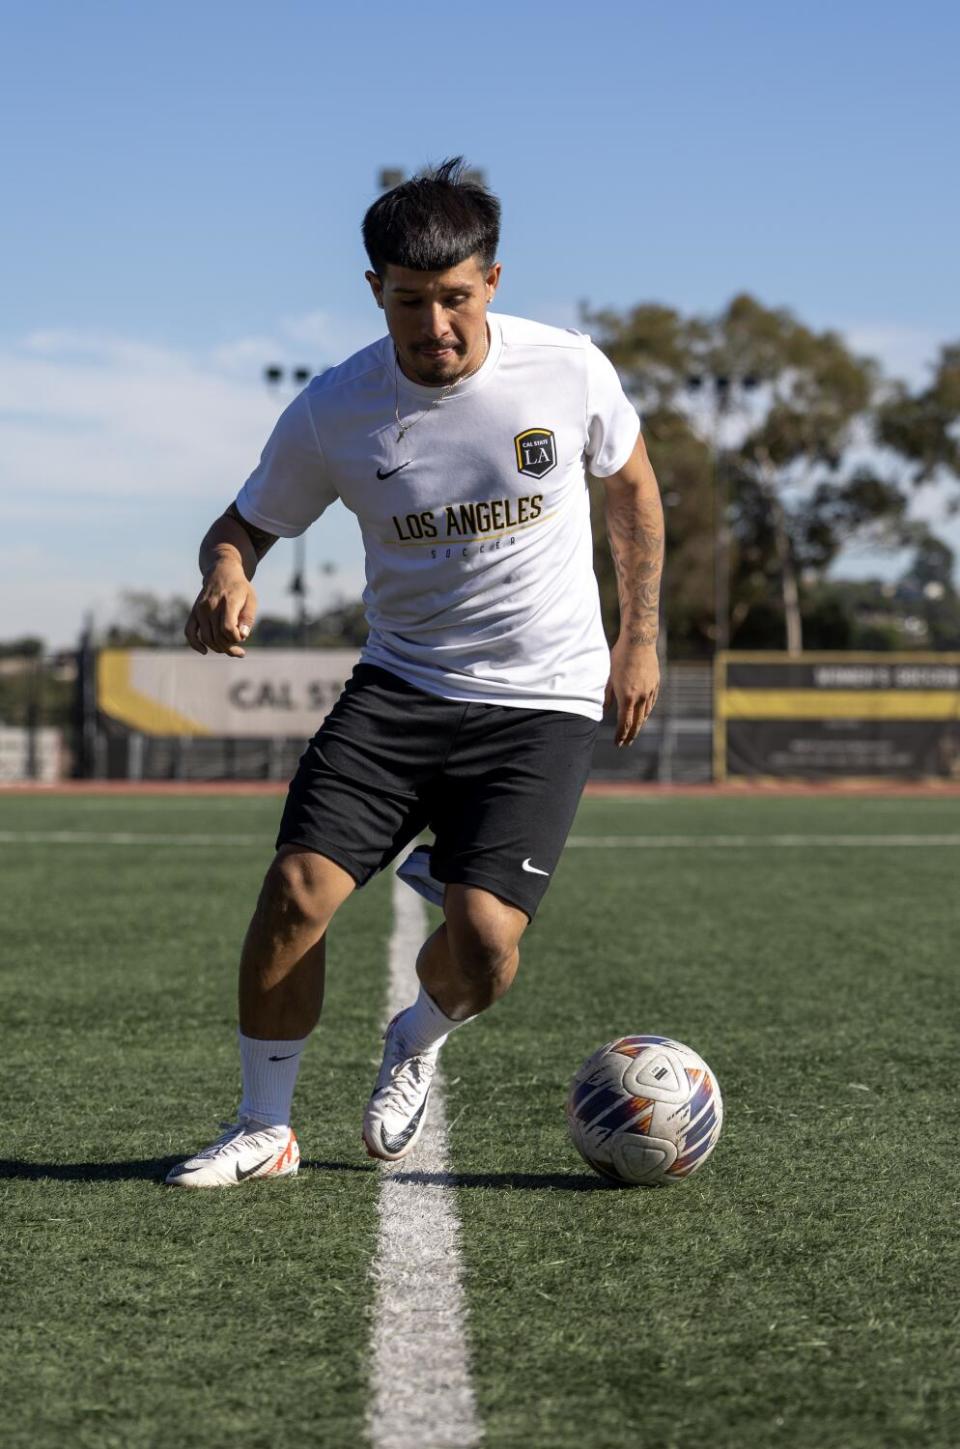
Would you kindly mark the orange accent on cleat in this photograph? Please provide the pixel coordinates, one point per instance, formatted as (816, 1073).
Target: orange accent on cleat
(286, 1157)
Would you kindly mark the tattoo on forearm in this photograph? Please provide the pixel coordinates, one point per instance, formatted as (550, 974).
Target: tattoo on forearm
(261, 540)
(635, 530)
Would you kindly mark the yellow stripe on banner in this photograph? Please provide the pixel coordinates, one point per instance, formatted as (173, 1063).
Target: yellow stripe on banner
(117, 697)
(867, 704)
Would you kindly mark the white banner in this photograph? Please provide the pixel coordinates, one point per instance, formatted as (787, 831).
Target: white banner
(270, 694)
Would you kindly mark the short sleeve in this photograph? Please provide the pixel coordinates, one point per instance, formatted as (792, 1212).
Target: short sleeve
(612, 423)
(290, 486)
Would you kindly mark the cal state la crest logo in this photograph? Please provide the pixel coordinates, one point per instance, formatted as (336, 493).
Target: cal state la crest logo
(536, 452)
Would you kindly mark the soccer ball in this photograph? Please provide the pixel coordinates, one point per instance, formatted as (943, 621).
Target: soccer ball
(645, 1110)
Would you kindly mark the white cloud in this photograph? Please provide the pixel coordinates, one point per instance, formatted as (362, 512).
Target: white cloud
(905, 352)
(316, 340)
(103, 416)
(331, 337)
(115, 454)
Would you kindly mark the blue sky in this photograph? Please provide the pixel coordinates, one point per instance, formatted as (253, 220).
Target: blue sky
(184, 198)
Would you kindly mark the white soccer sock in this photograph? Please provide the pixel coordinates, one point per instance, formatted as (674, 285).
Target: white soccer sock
(424, 1024)
(269, 1077)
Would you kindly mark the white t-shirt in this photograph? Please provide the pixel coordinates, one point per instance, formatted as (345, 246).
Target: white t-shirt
(476, 525)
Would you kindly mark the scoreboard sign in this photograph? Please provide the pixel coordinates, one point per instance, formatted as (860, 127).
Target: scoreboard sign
(832, 716)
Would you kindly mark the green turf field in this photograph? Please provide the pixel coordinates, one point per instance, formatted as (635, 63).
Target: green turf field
(801, 1290)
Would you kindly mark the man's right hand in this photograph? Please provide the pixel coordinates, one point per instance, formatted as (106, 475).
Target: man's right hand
(224, 613)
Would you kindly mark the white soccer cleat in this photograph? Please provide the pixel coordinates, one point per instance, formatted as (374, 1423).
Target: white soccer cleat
(415, 871)
(397, 1110)
(246, 1150)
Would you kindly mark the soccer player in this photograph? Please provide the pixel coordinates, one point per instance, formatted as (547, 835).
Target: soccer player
(461, 440)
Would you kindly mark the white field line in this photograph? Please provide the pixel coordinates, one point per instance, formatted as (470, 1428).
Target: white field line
(127, 837)
(762, 842)
(421, 1394)
(264, 840)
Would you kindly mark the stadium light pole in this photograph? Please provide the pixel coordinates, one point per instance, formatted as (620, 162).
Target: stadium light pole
(390, 176)
(274, 376)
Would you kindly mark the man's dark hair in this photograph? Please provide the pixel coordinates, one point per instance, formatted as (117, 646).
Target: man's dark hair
(433, 222)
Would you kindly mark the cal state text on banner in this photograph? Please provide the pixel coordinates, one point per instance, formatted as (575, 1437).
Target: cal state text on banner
(276, 693)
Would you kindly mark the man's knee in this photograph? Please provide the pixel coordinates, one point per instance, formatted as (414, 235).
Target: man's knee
(302, 888)
(483, 931)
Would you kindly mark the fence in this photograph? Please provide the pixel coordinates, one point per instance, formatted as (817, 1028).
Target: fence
(171, 715)
(37, 716)
(156, 714)
(30, 754)
(675, 746)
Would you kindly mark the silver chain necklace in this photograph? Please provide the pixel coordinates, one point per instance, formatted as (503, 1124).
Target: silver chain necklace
(445, 392)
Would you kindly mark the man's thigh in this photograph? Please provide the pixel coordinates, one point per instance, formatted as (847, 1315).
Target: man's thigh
(507, 798)
(358, 796)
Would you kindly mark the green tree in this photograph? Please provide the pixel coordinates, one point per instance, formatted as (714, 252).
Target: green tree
(341, 626)
(153, 621)
(148, 620)
(652, 348)
(775, 408)
(923, 426)
(28, 646)
(929, 584)
(684, 471)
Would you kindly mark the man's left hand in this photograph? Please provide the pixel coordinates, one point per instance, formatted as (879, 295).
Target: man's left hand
(634, 684)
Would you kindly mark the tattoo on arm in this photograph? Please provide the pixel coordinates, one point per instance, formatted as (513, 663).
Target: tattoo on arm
(261, 540)
(635, 530)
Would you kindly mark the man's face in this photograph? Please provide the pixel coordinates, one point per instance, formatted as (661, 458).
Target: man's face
(438, 320)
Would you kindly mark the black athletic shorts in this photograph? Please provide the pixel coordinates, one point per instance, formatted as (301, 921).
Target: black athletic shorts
(498, 786)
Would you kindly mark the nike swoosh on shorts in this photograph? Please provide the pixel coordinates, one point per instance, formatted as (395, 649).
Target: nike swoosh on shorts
(390, 471)
(532, 869)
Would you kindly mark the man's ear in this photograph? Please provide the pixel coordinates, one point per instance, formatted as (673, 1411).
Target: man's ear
(492, 281)
(376, 287)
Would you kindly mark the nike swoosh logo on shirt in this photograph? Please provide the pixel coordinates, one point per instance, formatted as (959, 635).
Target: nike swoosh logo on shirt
(390, 471)
(532, 869)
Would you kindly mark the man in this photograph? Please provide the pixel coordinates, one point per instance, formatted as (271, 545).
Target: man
(460, 440)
